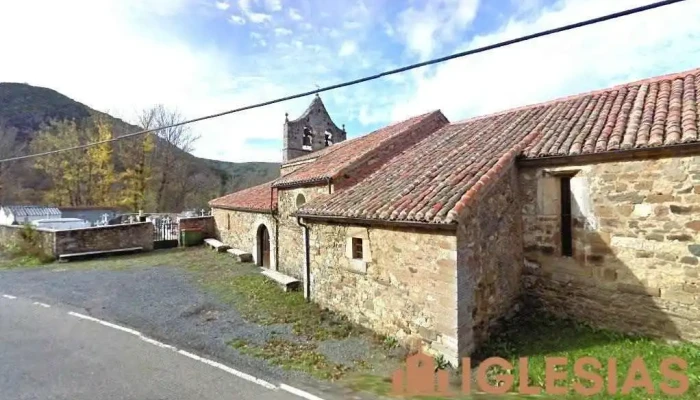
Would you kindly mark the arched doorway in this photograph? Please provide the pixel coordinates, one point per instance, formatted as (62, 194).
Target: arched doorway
(263, 247)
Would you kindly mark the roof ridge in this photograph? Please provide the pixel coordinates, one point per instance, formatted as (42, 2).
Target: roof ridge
(672, 75)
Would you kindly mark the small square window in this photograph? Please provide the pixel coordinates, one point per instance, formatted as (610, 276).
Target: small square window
(357, 248)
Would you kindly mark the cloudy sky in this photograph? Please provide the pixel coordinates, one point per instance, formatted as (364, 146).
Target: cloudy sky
(205, 56)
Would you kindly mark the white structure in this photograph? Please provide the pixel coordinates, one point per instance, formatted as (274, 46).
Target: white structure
(10, 215)
(60, 224)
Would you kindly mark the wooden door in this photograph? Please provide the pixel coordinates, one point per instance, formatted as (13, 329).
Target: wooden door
(263, 247)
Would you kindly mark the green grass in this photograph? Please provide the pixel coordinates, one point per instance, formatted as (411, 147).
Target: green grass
(261, 300)
(294, 356)
(540, 337)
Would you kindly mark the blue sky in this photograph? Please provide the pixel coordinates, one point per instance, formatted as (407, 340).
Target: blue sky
(205, 56)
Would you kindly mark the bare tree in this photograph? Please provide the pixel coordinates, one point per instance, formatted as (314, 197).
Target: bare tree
(9, 147)
(170, 148)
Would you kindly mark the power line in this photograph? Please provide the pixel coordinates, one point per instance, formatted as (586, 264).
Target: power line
(370, 78)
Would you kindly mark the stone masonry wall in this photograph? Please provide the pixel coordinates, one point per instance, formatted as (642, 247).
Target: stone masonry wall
(404, 287)
(636, 234)
(10, 237)
(206, 224)
(239, 229)
(113, 237)
(489, 261)
(291, 237)
(102, 238)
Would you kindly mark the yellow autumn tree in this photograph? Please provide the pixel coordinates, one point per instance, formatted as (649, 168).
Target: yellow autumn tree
(66, 171)
(101, 176)
(135, 179)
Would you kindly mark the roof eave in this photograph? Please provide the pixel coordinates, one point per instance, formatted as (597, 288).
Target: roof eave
(379, 222)
(245, 209)
(642, 153)
(300, 183)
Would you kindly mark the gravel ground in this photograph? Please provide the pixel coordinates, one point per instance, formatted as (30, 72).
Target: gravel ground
(166, 304)
(345, 351)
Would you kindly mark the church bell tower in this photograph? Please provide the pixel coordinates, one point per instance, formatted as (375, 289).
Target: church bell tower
(313, 130)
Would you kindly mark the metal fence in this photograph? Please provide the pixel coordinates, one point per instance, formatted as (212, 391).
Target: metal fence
(165, 233)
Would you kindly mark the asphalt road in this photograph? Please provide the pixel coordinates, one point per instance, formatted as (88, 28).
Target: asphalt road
(46, 353)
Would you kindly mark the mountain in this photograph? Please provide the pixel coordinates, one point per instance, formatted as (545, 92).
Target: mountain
(27, 108)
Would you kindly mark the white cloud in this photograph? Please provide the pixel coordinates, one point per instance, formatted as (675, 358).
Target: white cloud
(294, 14)
(222, 5)
(282, 32)
(651, 43)
(258, 18)
(254, 17)
(196, 79)
(425, 29)
(306, 26)
(348, 48)
(244, 5)
(237, 19)
(273, 5)
(388, 29)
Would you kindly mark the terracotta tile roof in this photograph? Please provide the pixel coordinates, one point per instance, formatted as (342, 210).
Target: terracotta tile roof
(333, 162)
(256, 198)
(660, 111)
(437, 178)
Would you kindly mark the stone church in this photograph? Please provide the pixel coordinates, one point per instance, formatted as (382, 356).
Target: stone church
(431, 230)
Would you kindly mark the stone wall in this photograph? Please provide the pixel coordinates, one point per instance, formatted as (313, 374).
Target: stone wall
(206, 224)
(489, 261)
(113, 237)
(291, 240)
(404, 286)
(101, 238)
(10, 237)
(636, 230)
(239, 229)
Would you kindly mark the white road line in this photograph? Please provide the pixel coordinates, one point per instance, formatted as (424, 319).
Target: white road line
(230, 370)
(157, 343)
(41, 304)
(299, 392)
(214, 364)
(105, 323)
(7, 296)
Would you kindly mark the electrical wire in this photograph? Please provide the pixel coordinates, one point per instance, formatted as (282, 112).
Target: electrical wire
(368, 78)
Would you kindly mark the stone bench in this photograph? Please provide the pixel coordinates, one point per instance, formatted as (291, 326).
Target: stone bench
(240, 255)
(287, 282)
(68, 256)
(216, 245)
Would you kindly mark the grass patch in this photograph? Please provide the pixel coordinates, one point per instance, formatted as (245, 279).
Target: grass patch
(293, 356)
(540, 336)
(261, 300)
(537, 336)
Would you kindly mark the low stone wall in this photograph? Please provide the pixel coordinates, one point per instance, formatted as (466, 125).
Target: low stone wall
(103, 238)
(404, 287)
(54, 243)
(10, 236)
(206, 224)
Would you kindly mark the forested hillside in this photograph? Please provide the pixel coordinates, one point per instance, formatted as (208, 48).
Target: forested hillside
(150, 172)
